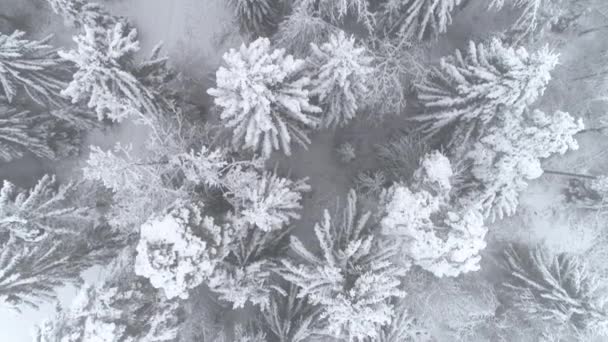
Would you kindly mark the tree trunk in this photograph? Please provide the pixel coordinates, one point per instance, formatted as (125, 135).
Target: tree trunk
(569, 174)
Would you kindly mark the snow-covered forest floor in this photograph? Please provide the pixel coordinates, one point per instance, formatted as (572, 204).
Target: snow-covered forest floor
(195, 35)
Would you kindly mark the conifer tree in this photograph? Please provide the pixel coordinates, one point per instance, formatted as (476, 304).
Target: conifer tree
(45, 210)
(417, 19)
(32, 67)
(81, 13)
(336, 12)
(123, 308)
(559, 289)
(256, 17)
(510, 153)
(172, 257)
(30, 273)
(264, 98)
(353, 280)
(466, 92)
(440, 237)
(105, 79)
(22, 131)
(341, 78)
(289, 318)
(303, 26)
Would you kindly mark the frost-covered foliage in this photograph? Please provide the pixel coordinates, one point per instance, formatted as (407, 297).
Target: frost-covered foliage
(264, 98)
(342, 72)
(22, 131)
(156, 180)
(31, 66)
(558, 289)
(443, 239)
(301, 28)
(31, 272)
(105, 78)
(397, 64)
(81, 13)
(119, 310)
(337, 11)
(172, 257)
(290, 318)
(256, 17)
(466, 92)
(268, 202)
(45, 210)
(510, 153)
(353, 280)
(417, 19)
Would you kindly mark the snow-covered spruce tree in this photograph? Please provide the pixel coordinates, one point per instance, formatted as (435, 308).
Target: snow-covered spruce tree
(245, 276)
(256, 17)
(172, 257)
(289, 318)
(104, 79)
(466, 92)
(81, 13)
(32, 66)
(121, 309)
(341, 78)
(302, 27)
(353, 280)
(264, 98)
(509, 154)
(45, 210)
(268, 202)
(417, 19)
(559, 289)
(443, 239)
(30, 272)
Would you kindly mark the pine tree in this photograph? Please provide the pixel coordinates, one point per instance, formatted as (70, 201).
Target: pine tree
(22, 131)
(336, 12)
(466, 92)
(30, 272)
(172, 257)
(268, 202)
(510, 153)
(264, 98)
(443, 239)
(44, 211)
(417, 19)
(353, 280)
(32, 66)
(289, 318)
(559, 289)
(105, 78)
(121, 309)
(404, 327)
(256, 17)
(341, 79)
(245, 276)
(302, 27)
(81, 13)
